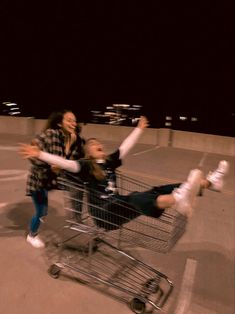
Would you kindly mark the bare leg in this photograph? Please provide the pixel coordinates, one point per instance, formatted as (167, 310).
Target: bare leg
(165, 201)
(205, 184)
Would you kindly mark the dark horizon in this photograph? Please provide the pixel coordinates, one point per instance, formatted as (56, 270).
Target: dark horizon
(171, 58)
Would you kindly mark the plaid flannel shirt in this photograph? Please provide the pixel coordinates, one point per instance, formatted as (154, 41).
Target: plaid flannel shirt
(52, 141)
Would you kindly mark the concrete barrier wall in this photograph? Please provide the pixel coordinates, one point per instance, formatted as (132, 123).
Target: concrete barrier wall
(39, 125)
(204, 142)
(117, 133)
(17, 125)
(161, 137)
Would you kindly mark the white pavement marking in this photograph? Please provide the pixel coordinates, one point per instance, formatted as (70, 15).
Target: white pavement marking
(201, 310)
(12, 175)
(146, 151)
(200, 165)
(185, 294)
(12, 148)
(148, 176)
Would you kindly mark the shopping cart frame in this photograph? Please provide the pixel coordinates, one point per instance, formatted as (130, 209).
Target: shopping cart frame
(159, 233)
(156, 287)
(149, 294)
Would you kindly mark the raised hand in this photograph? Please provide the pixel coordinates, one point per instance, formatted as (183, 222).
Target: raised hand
(143, 122)
(28, 151)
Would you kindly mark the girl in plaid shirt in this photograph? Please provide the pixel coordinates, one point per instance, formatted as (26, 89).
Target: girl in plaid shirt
(60, 137)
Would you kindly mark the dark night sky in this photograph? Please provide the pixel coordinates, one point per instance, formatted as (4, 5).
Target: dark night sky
(85, 54)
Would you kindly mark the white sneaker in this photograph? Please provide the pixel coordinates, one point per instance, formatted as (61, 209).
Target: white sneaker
(216, 177)
(185, 195)
(35, 241)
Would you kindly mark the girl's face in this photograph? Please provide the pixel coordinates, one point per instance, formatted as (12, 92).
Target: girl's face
(69, 123)
(94, 149)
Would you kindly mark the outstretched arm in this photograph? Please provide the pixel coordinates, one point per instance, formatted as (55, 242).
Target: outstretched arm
(32, 151)
(132, 139)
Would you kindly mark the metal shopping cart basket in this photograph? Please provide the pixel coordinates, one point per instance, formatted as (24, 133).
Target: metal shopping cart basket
(104, 226)
(120, 222)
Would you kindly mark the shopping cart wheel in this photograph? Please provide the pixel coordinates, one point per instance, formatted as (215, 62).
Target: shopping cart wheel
(137, 306)
(152, 285)
(54, 271)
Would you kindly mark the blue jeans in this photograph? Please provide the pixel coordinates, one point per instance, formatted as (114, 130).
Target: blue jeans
(40, 200)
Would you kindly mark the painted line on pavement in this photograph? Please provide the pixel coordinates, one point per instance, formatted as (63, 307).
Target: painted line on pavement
(186, 290)
(11, 148)
(148, 176)
(146, 151)
(12, 175)
(200, 165)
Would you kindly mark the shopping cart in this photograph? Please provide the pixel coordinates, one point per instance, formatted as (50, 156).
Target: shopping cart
(102, 226)
(120, 222)
(118, 274)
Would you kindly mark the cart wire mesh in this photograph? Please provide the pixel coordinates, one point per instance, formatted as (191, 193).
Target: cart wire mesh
(99, 227)
(116, 220)
(119, 274)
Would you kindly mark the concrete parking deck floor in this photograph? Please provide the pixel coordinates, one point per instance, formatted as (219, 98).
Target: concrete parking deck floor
(201, 265)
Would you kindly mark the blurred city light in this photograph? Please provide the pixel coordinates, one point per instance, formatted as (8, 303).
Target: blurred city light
(117, 114)
(9, 109)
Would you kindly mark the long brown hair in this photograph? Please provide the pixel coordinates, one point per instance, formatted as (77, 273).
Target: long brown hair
(56, 118)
